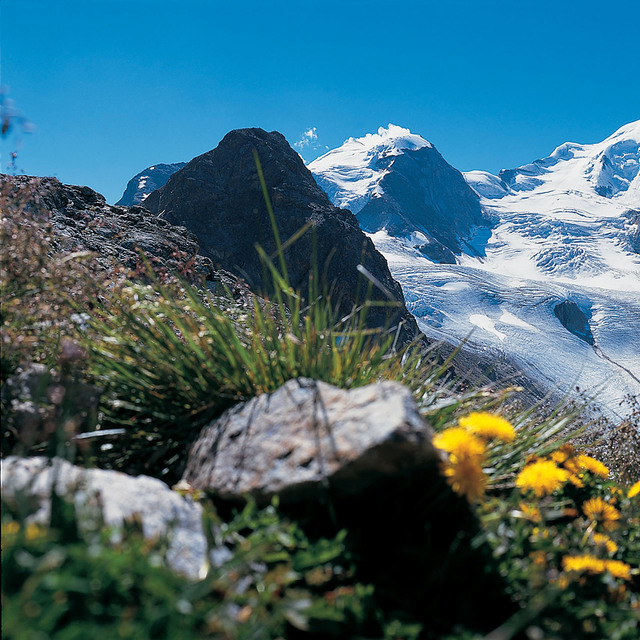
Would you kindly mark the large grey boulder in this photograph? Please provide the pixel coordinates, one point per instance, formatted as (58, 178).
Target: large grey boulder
(119, 496)
(309, 436)
(359, 460)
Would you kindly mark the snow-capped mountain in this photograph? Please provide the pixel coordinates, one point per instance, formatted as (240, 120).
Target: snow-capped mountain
(608, 169)
(398, 181)
(351, 174)
(574, 214)
(142, 184)
(553, 285)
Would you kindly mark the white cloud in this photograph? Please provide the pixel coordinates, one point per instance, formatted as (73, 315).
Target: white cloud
(308, 139)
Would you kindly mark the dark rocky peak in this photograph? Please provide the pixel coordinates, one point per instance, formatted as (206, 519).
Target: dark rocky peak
(148, 180)
(219, 198)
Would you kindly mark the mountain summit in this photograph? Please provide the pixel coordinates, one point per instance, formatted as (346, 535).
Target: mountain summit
(574, 214)
(397, 181)
(602, 174)
(350, 174)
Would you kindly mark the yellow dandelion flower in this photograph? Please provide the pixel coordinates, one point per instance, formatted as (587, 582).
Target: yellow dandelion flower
(459, 442)
(580, 463)
(487, 425)
(464, 468)
(33, 531)
(572, 466)
(10, 528)
(605, 541)
(543, 477)
(580, 564)
(530, 513)
(576, 480)
(599, 510)
(563, 453)
(635, 490)
(466, 477)
(594, 466)
(618, 569)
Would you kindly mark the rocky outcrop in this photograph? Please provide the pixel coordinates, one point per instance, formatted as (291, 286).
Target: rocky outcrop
(437, 252)
(115, 497)
(633, 229)
(219, 198)
(574, 320)
(309, 436)
(82, 220)
(142, 184)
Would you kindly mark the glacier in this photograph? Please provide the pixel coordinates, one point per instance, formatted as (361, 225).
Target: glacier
(561, 233)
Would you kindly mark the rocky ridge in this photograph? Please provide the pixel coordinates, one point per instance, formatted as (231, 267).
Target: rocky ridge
(118, 236)
(83, 221)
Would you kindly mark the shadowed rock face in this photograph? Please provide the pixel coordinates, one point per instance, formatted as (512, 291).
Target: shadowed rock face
(218, 197)
(423, 192)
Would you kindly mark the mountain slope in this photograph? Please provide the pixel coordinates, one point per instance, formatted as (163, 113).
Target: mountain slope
(572, 216)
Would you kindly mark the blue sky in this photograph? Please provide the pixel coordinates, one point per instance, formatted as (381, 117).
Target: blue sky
(114, 86)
